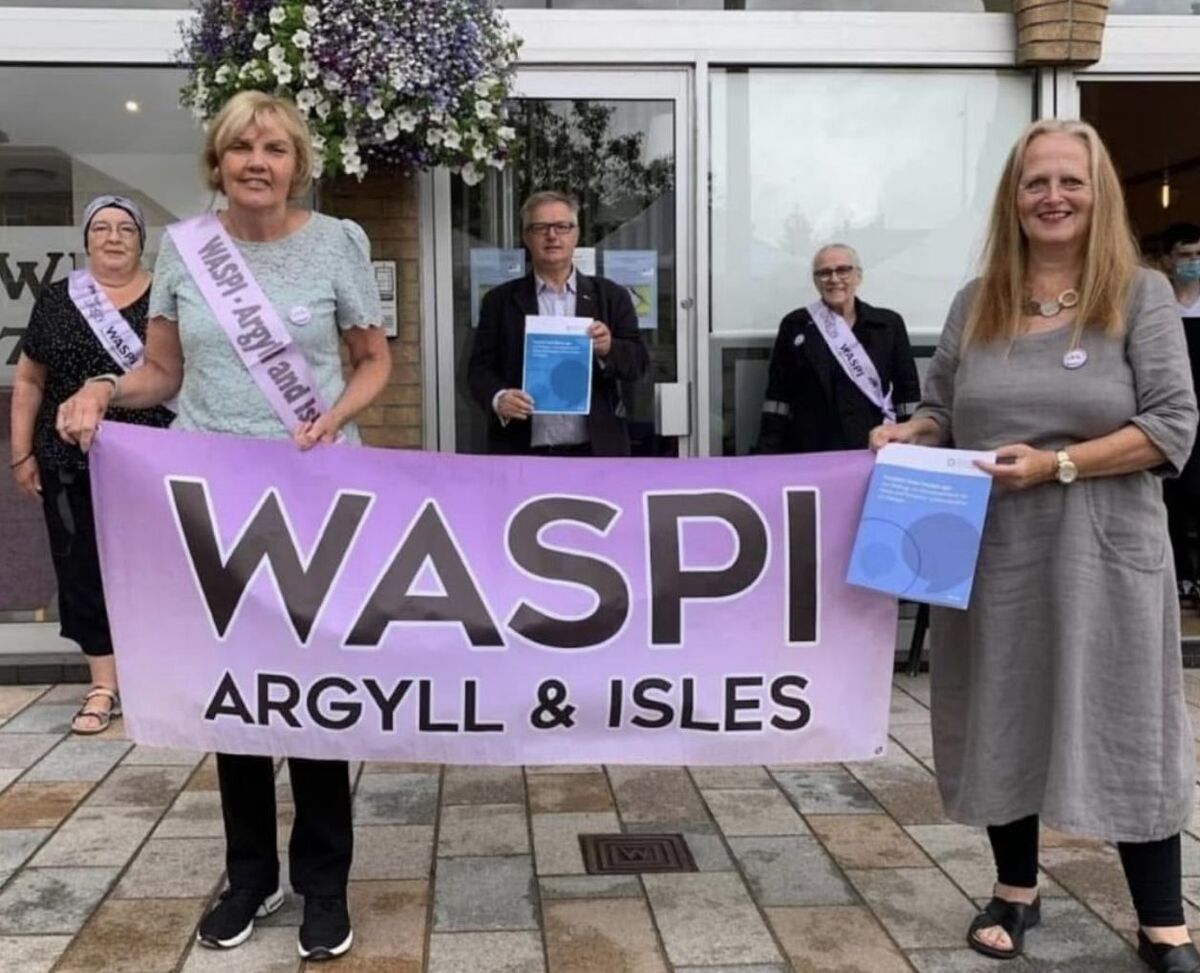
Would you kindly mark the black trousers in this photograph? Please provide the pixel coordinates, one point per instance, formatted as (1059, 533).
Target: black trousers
(67, 508)
(322, 841)
(1153, 869)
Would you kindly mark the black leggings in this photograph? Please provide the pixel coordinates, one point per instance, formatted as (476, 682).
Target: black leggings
(1153, 869)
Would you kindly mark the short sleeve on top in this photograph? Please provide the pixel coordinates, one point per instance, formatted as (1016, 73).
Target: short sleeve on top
(358, 304)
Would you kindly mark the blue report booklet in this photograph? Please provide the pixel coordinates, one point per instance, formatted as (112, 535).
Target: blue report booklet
(921, 524)
(558, 364)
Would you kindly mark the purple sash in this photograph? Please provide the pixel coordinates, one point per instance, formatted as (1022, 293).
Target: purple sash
(249, 320)
(108, 324)
(853, 358)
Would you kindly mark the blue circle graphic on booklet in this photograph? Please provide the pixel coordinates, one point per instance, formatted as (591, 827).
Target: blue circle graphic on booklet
(569, 383)
(942, 544)
(878, 560)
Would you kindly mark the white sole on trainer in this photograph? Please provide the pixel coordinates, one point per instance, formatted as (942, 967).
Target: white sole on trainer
(270, 904)
(332, 953)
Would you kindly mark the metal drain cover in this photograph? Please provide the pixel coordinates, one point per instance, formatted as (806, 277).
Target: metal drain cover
(624, 854)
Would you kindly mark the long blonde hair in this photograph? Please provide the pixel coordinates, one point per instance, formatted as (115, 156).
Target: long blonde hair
(1110, 256)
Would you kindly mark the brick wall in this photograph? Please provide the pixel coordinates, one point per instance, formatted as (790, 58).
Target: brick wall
(385, 205)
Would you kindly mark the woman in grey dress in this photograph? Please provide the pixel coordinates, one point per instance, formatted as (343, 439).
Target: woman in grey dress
(1058, 696)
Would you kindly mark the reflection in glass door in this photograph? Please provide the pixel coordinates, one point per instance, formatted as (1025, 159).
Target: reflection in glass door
(618, 152)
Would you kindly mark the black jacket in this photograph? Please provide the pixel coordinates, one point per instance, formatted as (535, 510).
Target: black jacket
(812, 405)
(498, 358)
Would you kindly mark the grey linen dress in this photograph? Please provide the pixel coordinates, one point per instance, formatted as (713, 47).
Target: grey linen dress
(1059, 691)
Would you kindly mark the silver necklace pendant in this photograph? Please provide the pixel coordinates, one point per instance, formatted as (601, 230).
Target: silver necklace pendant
(1075, 358)
(1047, 309)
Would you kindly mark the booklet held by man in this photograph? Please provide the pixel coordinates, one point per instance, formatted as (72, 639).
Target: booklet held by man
(921, 524)
(558, 364)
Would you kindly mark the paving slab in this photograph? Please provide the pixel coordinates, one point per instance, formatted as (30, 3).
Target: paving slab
(484, 894)
(962, 961)
(174, 868)
(590, 887)
(708, 919)
(134, 936)
(269, 950)
(16, 845)
(718, 778)
(826, 790)
(392, 851)
(963, 853)
(39, 804)
(13, 699)
(647, 794)
(42, 718)
(919, 907)
(601, 936)
(139, 787)
(708, 847)
(905, 788)
(835, 939)
(52, 900)
(78, 758)
(483, 829)
(146, 756)
(389, 927)
(556, 840)
(483, 785)
(1072, 940)
(791, 871)
(98, 836)
(867, 841)
(550, 793)
(396, 799)
(754, 811)
(21, 750)
(486, 952)
(31, 954)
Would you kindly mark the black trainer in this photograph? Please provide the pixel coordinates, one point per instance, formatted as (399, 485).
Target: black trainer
(231, 921)
(325, 932)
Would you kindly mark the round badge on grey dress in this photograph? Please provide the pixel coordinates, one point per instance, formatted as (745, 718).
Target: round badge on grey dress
(1075, 358)
(300, 315)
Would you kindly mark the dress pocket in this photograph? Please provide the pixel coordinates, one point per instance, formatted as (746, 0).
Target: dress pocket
(1129, 519)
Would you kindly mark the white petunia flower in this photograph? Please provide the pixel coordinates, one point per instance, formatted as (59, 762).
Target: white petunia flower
(312, 16)
(302, 40)
(483, 109)
(277, 55)
(310, 69)
(333, 82)
(262, 41)
(480, 152)
(407, 121)
(433, 136)
(496, 162)
(483, 88)
(323, 109)
(224, 73)
(391, 131)
(318, 144)
(506, 132)
(471, 174)
(277, 15)
(306, 98)
(375, 110)
(283, 74)
(452, 140)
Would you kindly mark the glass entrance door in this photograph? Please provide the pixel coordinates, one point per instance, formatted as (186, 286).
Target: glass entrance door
(617, 141)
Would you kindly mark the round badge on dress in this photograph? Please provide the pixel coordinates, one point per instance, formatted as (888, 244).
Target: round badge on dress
(300, 315)
(798, 340)
(1075, 358)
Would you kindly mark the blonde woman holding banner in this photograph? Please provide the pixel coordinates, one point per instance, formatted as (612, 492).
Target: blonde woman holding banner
(1058, 696)
(91, 324)
(247, 313)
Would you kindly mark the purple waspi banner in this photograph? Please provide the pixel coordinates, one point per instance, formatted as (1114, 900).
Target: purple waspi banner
(381, 605)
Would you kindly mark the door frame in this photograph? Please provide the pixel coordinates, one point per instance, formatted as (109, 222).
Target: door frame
(674, 84)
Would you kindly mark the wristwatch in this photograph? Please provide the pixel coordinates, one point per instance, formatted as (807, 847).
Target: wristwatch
(1067, 471)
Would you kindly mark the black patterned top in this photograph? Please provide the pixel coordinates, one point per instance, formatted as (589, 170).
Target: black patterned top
(59, 338)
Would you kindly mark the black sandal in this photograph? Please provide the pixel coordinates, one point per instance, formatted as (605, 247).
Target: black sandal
(1014, 918)
(1163, 958)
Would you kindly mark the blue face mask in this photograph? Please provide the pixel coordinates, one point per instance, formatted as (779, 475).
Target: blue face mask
(1187, 271)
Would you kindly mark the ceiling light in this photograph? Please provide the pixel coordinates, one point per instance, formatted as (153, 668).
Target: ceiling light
(1166, 190)
(132, 107)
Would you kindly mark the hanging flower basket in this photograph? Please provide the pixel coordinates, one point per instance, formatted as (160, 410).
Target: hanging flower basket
(1059, 31)
(410, 84)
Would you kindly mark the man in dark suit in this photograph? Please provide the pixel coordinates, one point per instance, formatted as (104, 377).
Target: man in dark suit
(550, 230)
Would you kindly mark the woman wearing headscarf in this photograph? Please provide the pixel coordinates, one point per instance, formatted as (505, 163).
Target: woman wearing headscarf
(294, 287)
(1058, 694)
(91, 324)
(839, 366)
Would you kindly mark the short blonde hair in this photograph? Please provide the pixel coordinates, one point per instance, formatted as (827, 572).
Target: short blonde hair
(1110, 258)
(248, 108)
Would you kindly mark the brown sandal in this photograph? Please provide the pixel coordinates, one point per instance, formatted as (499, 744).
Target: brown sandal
(102, 717)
